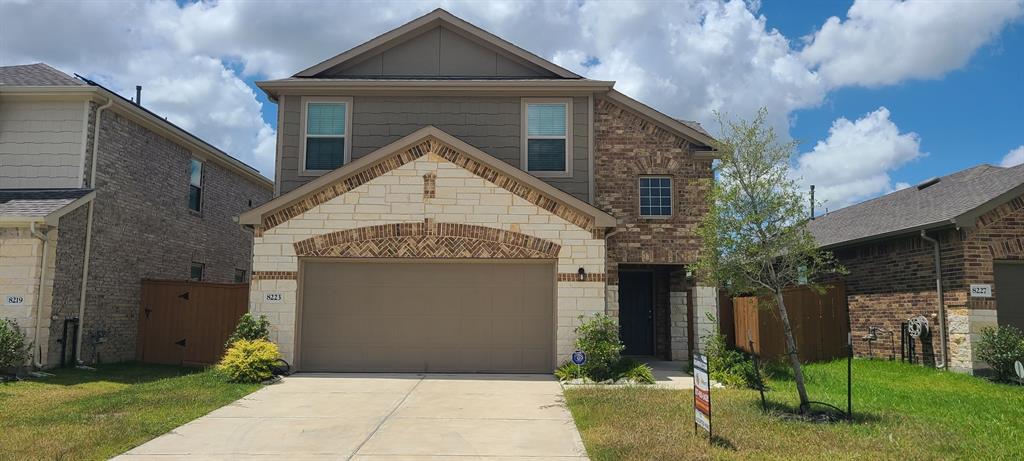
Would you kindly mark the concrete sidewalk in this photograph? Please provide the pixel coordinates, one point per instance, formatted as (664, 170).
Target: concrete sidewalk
(382, 417)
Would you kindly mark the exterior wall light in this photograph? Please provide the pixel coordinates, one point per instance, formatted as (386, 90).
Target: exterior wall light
(581, 274)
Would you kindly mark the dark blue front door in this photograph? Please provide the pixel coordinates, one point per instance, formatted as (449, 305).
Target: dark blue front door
(636, 312)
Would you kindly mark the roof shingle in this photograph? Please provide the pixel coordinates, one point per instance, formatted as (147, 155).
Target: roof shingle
(37, 74)
(909, 209)
(36, 202)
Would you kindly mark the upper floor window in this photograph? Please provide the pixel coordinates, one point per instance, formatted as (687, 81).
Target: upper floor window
(195, 186)
(655, 196)
(196, 272)
(325, 134)
(547, 137)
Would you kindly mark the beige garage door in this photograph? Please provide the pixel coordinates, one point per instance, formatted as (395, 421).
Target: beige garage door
(427, 316)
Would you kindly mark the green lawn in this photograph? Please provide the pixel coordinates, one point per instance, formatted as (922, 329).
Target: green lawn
(80, 414)
(902, 412)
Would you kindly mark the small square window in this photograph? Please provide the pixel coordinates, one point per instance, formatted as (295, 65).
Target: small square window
(197, 272)
(239, 275)
(655, 196)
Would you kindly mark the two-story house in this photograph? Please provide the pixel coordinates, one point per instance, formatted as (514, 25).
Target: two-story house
(447, 201)
(96, 194)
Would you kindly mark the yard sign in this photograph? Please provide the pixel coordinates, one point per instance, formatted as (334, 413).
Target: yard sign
(701, 394)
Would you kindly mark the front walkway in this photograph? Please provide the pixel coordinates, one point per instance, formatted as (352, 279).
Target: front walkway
(382, 417)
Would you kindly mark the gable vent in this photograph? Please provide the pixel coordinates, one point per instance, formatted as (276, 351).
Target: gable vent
(927, 183)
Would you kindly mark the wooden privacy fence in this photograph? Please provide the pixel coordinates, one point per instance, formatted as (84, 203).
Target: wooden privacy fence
(187, 323)
(820, 324)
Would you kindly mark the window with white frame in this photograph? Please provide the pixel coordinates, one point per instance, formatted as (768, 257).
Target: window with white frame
(326, 134)
(655, 196)
(547, 137)
(195, 186)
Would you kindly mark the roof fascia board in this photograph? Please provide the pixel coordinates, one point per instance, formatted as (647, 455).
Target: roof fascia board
(53, 218)
(20, 221)
(896, 233)
(409, 29)
(255, 216)
(665, 121)
(50, 93)
(274, 89)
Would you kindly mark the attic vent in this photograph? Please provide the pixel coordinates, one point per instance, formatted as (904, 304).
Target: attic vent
(927, 183)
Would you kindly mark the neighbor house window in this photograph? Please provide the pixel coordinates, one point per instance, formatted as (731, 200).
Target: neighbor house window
(196, 274)
(195, 186)
(325, 134)
(546, 147)
(239, 275)
(655, 196)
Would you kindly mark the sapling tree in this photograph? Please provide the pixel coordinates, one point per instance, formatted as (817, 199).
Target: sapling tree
(755, 238)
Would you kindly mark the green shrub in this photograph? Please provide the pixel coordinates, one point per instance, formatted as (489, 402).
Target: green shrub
(250, 328)
(634, 370)
(14, 350)
(1000, 347)
(249, 361)
(568, 371)
(728, 366)
(599, 339)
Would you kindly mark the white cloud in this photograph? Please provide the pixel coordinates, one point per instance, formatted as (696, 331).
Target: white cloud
(883, 42)
(686, 58)
(854, 162)
(1014, 157)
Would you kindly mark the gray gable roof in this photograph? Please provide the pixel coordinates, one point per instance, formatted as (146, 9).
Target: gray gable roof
(38, 74)
(967, 192)
(37, 202)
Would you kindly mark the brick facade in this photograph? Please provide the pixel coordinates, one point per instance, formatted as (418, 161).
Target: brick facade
(893, 279)
(626, 147)
(143, 228)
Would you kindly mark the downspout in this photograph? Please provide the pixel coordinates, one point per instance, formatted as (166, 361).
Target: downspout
(88, 232)
(37, 359)
(942, 301)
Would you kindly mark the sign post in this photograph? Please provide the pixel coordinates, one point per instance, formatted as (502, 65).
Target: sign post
(701, 394)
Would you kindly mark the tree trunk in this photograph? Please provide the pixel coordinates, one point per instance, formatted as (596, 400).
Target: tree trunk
(794, 356)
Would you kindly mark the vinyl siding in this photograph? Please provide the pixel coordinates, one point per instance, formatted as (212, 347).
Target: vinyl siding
(491, 124)
(41, 144)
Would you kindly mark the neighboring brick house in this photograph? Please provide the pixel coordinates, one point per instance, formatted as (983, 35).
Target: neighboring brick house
(447, 201)
(886, 244)
(162, 201)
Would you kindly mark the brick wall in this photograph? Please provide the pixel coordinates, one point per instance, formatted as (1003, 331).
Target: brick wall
(892, 280)
(143, 228)
(627, 146)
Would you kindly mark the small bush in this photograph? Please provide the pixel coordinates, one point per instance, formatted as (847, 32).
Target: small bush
(14, 350)
(635, 371)
(728, 366)
(599, 339)
(1000, 347)
(250, 328)
(568, 371)
(249, 361)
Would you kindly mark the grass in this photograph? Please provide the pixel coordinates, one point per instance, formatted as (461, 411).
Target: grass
(81, 414)
(901, 412)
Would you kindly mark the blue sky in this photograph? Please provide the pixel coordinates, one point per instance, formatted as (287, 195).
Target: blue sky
(969, 116)
(881, 93)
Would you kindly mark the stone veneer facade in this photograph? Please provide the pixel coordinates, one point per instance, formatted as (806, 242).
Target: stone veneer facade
(428, 201)
(893, 279)
(626, 147)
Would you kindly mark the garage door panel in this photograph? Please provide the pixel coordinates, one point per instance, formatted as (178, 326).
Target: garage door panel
(427, 316)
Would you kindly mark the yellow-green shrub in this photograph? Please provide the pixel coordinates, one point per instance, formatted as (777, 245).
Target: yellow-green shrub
(249, 361)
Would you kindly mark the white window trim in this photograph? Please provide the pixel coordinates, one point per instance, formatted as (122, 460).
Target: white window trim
(202, 186)
(346, 156)
(671, 195)
(526, 137)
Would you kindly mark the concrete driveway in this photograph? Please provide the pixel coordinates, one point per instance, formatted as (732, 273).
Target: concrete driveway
(382, 417)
